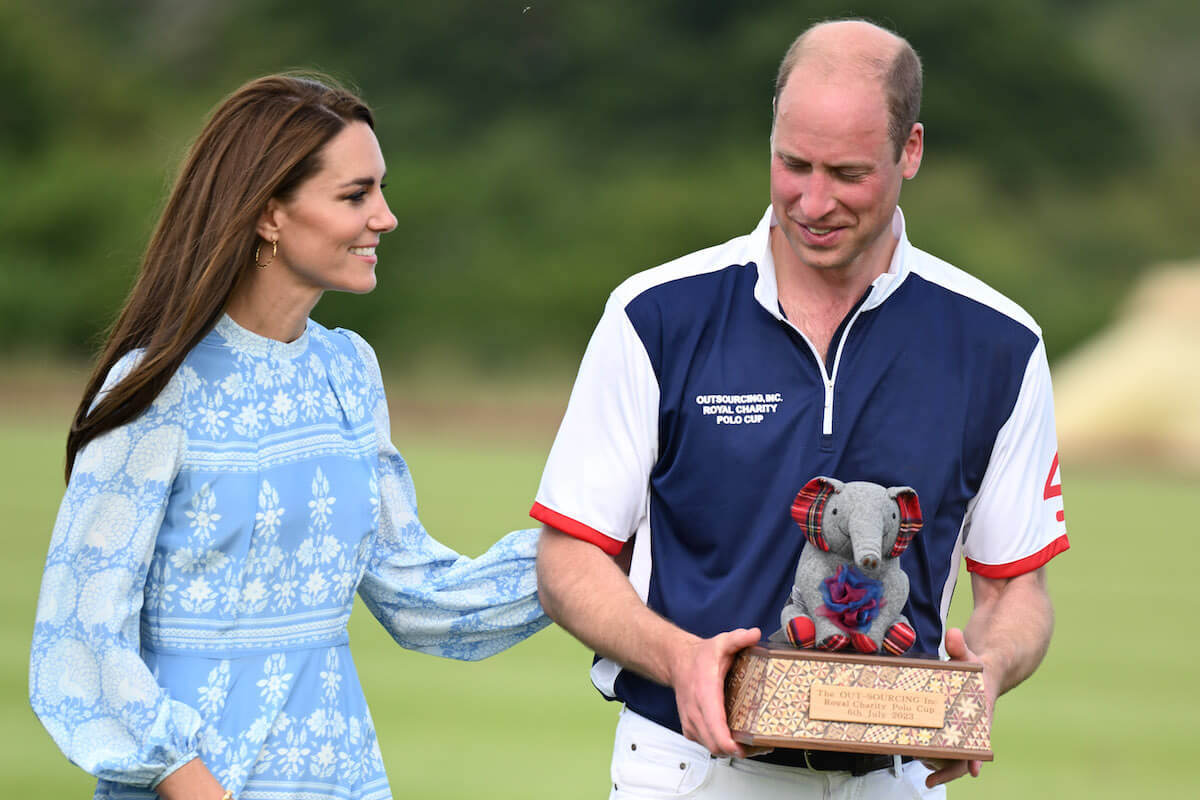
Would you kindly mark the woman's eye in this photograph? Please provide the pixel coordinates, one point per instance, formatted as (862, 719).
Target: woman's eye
(357, 196)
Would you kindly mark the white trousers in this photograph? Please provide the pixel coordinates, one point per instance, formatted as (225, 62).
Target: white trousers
(651, 762)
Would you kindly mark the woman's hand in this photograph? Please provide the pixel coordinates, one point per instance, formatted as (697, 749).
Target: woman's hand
(192, 781)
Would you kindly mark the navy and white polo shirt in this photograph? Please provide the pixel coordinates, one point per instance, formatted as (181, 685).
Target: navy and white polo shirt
(699, 412)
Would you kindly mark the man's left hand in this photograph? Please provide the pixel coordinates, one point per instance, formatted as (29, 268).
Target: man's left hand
(946, 770)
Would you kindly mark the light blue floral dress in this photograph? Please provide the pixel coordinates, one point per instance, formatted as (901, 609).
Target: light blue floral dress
(204, 564)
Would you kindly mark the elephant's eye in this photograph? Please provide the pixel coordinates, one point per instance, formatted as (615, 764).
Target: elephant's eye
(893, 515)
(834, 512)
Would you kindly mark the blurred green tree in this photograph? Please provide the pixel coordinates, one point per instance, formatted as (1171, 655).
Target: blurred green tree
(539, 152)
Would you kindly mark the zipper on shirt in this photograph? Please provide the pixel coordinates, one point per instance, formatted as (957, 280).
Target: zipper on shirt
(827, 418)
(831, 381)
(829, 377)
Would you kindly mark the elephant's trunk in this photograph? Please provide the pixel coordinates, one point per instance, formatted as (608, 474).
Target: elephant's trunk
(866, 540)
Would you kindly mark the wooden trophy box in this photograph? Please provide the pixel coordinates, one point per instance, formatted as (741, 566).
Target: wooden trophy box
(779, 696)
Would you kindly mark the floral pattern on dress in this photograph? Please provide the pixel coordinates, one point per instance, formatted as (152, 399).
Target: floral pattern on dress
(203, 568)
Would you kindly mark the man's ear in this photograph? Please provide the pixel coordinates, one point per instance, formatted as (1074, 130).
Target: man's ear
(267, 226)
(914, 148)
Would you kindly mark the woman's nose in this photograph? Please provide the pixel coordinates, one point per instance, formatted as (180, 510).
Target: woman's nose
(384, 221)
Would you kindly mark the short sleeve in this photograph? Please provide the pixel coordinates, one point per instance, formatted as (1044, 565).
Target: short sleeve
(87, 681)
(427, 596)
(1015, 524)
(596, 480)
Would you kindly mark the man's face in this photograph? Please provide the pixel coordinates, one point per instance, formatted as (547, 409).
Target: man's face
(835, 180)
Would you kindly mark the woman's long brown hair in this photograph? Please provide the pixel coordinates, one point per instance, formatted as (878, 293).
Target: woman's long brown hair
(262, 142)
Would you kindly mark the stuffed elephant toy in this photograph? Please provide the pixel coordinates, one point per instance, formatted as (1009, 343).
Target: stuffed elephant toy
(850, 590)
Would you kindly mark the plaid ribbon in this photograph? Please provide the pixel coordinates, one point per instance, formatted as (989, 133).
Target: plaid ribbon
(809, 506)
(899, 638)
(801, 631)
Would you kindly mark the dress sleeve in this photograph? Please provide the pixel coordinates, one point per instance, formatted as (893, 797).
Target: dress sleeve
(427, 596)
(87, 681)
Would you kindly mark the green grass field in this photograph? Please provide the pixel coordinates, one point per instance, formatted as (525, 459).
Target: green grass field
(1112, 712)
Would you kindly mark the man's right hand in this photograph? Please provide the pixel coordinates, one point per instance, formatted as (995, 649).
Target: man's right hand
(697, 673)
(584, 591)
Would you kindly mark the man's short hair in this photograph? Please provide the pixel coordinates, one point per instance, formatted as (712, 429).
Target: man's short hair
(902, 83)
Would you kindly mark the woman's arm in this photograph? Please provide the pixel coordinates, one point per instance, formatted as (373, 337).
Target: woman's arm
(429, 597)
(88, 684)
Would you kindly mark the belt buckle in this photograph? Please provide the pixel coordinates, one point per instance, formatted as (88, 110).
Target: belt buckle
(858, 765)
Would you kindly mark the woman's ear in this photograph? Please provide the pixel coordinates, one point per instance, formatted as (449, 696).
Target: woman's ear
(808, 509)
(267, 226)
(910, 518)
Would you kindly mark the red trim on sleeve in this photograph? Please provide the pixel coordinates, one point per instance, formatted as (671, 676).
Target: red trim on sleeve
(577, 529)
(1027, 564)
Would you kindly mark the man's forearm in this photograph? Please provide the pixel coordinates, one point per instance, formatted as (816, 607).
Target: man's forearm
(1011, 625)
(584, 590)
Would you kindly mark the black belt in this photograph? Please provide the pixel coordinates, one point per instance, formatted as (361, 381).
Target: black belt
(829, 761)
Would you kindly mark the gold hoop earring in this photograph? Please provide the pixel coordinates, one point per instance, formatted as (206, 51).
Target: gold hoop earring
(259, 264)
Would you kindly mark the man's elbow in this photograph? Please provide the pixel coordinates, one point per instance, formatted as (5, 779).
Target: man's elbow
(552, 564)
(1028, 590)
(570, 571)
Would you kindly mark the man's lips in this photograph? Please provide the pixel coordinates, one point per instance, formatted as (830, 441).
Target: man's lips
(820, 234)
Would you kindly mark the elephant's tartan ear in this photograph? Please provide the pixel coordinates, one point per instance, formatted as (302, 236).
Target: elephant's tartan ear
(910, 521)
(809, 507)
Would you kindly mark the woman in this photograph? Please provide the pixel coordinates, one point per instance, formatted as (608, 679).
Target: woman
(232, 483)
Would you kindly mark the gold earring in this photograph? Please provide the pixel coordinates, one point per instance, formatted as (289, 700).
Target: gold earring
(258, 263)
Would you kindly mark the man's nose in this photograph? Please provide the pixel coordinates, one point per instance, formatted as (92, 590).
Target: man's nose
(816, 199)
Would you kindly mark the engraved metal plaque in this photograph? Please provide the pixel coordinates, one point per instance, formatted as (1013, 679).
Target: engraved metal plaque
(778, 696)
(880, 706)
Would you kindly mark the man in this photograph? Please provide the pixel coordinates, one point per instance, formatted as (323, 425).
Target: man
(717, 385)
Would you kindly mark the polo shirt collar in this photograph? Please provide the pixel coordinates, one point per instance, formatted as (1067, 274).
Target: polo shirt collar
(766, 290)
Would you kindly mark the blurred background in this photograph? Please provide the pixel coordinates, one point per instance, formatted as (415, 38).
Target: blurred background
(539, 153)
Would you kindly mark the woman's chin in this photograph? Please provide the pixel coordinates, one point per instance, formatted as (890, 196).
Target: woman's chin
(363, 285)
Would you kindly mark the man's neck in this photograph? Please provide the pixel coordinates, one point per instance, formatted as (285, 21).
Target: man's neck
(817, 300)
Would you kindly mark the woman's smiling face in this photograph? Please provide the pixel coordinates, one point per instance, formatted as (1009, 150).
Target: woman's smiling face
(328, 229)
